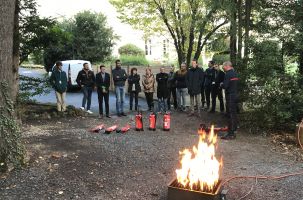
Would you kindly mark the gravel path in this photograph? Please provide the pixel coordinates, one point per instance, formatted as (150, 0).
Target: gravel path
(68, 162)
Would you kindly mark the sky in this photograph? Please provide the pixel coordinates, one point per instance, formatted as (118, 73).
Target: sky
(68, 8)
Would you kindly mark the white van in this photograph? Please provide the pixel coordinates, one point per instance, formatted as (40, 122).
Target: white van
(72, 68)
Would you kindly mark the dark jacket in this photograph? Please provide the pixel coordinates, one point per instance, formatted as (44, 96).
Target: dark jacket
(231, 82)
(171, 82)
(219, 78)
(119, 76)
(134, 80)
(86, 79)
(58, 80)
(194, 80)
(162, 89)
(103, 83)
(209, 76)
(180, 78)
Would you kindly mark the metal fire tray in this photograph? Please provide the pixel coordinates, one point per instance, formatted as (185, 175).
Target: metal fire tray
(177, 193)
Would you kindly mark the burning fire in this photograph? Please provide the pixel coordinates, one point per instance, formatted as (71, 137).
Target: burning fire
(200, 168)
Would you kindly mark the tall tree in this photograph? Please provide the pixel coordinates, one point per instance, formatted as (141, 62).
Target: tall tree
(189, 23)
(93, 39)
(11, 150)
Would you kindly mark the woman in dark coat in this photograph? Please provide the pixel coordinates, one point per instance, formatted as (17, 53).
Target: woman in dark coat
(133, 88)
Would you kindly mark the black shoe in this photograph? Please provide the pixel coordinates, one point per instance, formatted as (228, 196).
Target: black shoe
(108, 116)
(119, 115)
(229, 136)
(123, 114)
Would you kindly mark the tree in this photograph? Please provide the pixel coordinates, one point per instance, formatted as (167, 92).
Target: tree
(93, 39)
(11, 150)
(190, 23)
(131, 49)
(60, 46)
(33, 29)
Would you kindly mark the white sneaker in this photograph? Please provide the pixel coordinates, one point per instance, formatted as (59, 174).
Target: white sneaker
(89, 112)
(82, 108)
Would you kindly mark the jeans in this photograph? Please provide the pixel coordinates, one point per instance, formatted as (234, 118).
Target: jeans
(101, 96)
(87, 95)
(120, 97)
(217, 92)
(150, 100)
(162, 104)
(207, 95)
(172, 91)
(131, 97)
(181, 95)
(195, 100)
(203, 96)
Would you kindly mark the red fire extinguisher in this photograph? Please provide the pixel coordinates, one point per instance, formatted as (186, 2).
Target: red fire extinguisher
(166, 122)
(152, 121)
(139, 122)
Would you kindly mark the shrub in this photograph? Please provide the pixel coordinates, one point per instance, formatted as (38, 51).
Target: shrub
(131, 49)
(220, 58)
(133, 60)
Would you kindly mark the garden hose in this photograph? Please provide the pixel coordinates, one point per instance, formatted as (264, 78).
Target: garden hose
(298, 134)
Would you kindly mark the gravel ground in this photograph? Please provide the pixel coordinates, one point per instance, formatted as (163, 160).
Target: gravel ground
(68, 162)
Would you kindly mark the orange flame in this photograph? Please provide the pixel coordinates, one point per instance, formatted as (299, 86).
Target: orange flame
(200, 168)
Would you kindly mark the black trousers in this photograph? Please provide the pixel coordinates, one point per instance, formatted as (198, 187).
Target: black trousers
(231, 103)
(203, 96)
(172, 92)
(101, 96)
(207, 95)
(217, 92)
(131, 99)
(150, 99)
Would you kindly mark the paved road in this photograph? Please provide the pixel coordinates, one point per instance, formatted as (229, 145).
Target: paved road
(75, 98)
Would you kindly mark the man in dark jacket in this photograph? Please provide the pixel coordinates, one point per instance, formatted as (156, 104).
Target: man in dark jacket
(119, 77)
(230, 85)
(209, 80)
(216, 89)
(171, 85)
(194, 80)
(134, 88)
(103, 83)
(58, 81)
(86, 80)
(162, 89)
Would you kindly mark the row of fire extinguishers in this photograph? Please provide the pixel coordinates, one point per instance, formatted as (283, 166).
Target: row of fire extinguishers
(152, 121)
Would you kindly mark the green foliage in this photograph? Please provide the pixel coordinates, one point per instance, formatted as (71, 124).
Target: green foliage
(33, 29)
(93, 40)
(11, 148)
(273, 96)
(131, 49)
(30, 86)
(220, 58)
(133, 60)
(189, 23)
(60, 47)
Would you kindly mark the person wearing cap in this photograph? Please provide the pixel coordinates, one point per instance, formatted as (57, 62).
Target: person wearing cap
(58, 80)
(230, 85)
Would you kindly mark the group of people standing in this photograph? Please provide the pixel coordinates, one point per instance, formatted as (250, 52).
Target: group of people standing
(203, 87)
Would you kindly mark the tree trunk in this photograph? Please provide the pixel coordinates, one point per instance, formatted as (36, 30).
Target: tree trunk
(233, 32)
(11, 150)
(248, 8)
(301, 63)
(240, 32)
